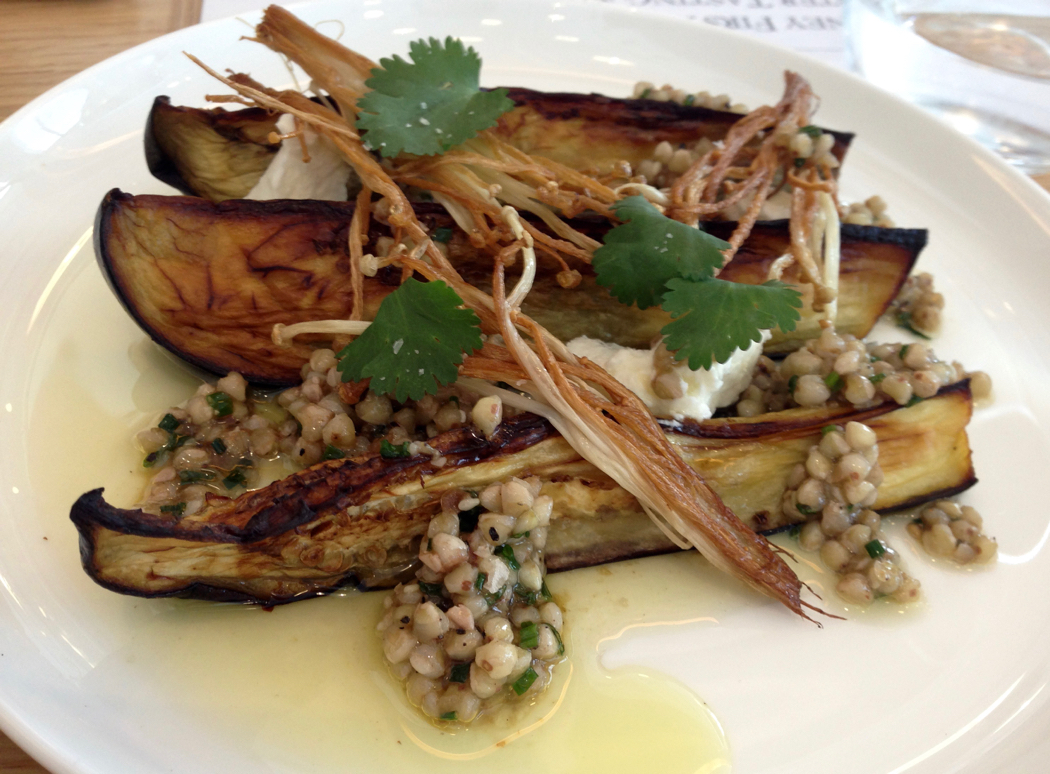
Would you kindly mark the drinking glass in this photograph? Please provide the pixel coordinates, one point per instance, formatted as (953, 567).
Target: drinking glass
(983, 66)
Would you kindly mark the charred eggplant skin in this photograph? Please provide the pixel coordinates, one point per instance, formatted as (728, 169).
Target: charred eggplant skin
(220, 154)
(358, 522)
(208, 280)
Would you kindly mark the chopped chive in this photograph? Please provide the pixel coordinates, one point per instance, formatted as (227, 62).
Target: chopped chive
(454, 399)
(795, 530)
(431, 589)
(828, 429)
(219, 446)
(914, 399)
(178, 508)
(449, 716)
(468, 520)
(877, 378)
(151, 459)
(689, 100)
(557, 636)
(875, 549)
(492, 599)
(904, 321)
(805, 510)
(193, 476)
(460, 673)
(645, 94)
(524, 682)
(525, 595)
(800, 162)
(480, 581)
(903, 351)
(430, 544)
(917, 520)
(833, 381)
(792, 382)
(545, 593)
(169, 423)
(221, 403)
(521, 534)
(443, 235)
(332, 453)
(529, 636)
(812, 130)
(235, 478)
(507, 553)
(389, 451)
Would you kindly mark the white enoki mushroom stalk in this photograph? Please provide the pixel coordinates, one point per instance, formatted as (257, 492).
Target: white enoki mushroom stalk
(282, 335)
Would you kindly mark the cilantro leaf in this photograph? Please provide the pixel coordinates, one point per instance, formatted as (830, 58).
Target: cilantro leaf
(715, 317)
(430, 104)
(648, 249)
(415, 343)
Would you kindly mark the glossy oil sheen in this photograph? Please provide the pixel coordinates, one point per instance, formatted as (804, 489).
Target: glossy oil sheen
(306, 684)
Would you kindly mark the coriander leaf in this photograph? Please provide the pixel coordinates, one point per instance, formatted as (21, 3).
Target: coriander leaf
(415, 343)
(648, 249)
(713, 318)
(430, 104)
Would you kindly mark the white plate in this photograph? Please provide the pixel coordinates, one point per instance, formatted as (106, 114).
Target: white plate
(92, 681)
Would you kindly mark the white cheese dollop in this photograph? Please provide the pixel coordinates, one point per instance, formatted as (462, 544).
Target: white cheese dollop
(703, 390)
(289, 177)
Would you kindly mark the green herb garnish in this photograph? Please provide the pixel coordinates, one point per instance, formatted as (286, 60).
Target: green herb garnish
(833, 381)
(480, 581)
(221, 403)
(795, 531)
(689, 100)
(443, 235)
(812, 130)
(875, 549)
(449, 716)
(648, 249)
(912, 401)
(194, 476)
(903, 352)
(177, 509)
(430, 104)
(507, 553)
(493, 598)
(219, 446)
(235, 478)
(431, 589)
(557, 636)
(714, 317)
(645, 94)
(904, 320)
(877, 378)
(524, 682)
(800, 162)
(390, 451)
(460, 673)
(805, 510)
(529, 636)
(334, 453)
(792, 383)
(416, 342)
(828, 429)
(168, 423)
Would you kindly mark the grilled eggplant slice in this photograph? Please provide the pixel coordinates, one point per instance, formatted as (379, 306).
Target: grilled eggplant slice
(208, 281)
(359, 522)
(221, 154)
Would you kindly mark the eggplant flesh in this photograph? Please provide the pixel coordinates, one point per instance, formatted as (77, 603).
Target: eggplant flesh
(221, 154)
(209, 280)
(359, 522)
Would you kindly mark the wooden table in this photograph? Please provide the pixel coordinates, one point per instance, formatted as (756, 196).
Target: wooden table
(43, 42)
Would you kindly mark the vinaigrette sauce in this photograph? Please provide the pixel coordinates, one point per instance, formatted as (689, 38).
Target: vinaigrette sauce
(304, 687)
